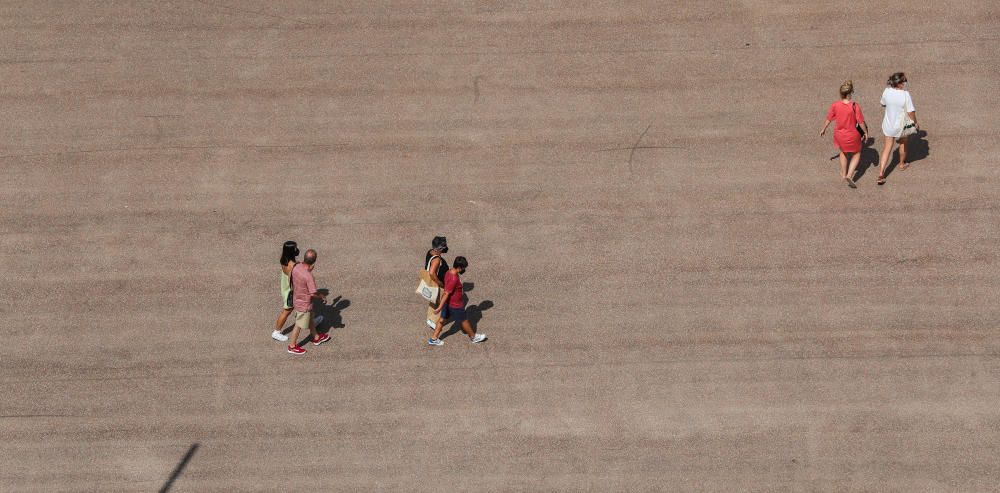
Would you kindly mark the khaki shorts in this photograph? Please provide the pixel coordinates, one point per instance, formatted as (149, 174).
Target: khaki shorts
(303, 319)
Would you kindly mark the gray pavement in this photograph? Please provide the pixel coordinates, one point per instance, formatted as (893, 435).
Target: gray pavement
(680, 293)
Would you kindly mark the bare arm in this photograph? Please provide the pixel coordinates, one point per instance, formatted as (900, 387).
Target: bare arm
(432, 270)
(441, 305)
(864, 122)
(825, 125)
(913, 116)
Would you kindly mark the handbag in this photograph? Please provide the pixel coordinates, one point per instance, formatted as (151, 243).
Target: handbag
(291, 291)
(857, 126)
(909, 127)
(427, 288)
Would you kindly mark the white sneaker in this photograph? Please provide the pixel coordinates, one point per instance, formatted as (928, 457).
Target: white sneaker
(318, 319)
(478, 338)
(278, 336)
(431, 325)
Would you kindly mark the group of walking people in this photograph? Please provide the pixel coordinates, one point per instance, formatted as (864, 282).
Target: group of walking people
(851, 131)
(299, 292)
(447, 300)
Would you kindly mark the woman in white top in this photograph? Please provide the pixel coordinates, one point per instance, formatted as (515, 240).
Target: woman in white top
(897, 103)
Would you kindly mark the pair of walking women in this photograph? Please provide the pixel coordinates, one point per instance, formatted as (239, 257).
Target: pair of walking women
(851, 130)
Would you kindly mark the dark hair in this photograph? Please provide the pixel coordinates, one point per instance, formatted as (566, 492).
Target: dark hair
(310, 257)
(461, 263)
(896, 79)
(438, 242)
(289, 251)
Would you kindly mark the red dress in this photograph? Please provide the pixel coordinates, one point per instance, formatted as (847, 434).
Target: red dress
(845, 136)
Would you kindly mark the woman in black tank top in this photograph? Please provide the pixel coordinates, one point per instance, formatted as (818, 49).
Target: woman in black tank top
(436, 266)
(438, 247)
(442, 267)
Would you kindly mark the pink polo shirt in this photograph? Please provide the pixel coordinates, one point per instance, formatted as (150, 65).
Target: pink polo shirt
(304, 287)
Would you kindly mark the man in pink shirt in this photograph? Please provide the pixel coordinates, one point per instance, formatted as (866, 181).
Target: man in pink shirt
(304, 289)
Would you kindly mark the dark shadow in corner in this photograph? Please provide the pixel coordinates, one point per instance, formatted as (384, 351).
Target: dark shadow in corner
(475, 314)
(180, 468)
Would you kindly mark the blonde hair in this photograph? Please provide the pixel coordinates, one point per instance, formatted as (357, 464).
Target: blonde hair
(846, 88)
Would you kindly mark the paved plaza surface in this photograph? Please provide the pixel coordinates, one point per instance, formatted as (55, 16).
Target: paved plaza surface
(680, 292)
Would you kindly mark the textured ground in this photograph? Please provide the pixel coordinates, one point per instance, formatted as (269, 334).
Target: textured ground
(680, 293)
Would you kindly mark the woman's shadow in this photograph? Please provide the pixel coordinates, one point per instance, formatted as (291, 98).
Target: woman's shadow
(869, 158)
(917, 148)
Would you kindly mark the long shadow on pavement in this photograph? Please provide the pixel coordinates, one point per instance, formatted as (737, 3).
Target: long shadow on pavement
(180, 468)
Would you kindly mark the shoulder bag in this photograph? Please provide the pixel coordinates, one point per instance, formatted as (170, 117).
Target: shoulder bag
(427, 289)
(909, 128)
(857, 126)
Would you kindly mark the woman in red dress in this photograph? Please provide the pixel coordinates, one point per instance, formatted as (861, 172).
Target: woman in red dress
(847, 114)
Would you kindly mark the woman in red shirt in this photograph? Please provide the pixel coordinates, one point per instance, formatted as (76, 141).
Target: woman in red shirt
(846, 136)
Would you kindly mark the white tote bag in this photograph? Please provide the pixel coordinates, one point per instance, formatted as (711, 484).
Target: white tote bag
(427, 289)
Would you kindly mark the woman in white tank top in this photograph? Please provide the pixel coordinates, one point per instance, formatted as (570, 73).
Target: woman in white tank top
(897, 102)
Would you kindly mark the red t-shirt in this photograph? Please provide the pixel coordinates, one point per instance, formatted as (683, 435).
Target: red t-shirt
(845, 135)
(845, 115)
(453, 285)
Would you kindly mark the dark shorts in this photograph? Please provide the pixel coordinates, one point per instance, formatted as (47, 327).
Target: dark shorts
(454, 314)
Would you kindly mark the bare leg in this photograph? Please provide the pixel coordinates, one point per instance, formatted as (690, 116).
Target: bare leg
(884, 160)
(312, 327)
(843, 165)
(431, 316)
(855, 159)
(282, 318)
(467, 328)
(902, 153)
(439, 328)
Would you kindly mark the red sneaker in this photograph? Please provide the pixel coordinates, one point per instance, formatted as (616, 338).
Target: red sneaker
(296, 350)
(321, 339)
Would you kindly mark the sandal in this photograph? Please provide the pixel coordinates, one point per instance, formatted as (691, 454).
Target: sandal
(902, 166)
(881, 180)
(850, 182)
